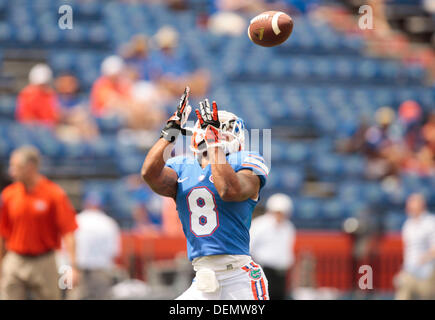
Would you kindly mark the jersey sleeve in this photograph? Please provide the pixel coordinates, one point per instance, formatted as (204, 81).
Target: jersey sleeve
(253, 161)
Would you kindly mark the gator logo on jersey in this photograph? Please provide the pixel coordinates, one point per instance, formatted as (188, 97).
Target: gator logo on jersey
(255, 274)
(258, 285)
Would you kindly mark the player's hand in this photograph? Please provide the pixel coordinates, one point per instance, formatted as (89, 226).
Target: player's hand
(183, 110)
(209, 121)
(174, 124)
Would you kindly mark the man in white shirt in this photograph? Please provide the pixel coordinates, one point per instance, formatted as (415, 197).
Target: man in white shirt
(98, 242)
(417, 278)
(272, 243)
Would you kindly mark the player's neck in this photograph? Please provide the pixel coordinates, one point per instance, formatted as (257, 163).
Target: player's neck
(203, 160)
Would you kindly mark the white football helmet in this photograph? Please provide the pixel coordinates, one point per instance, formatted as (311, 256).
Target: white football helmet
(232, 129)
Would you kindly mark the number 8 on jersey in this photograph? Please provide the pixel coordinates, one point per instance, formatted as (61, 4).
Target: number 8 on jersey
(203, 213)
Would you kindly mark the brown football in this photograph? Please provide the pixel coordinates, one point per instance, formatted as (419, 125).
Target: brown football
(270, 28)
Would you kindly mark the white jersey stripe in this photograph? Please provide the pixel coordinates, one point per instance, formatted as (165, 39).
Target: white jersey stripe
(257, 162)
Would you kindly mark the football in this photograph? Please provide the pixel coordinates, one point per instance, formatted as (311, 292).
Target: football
(270, 28)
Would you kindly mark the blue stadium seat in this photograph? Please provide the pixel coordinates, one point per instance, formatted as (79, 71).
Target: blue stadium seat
(306, 208)
(334, 209)
(394, 220)
(7, 33)
(130, 163)
(358, 191)
(7, 107)
(286, 178)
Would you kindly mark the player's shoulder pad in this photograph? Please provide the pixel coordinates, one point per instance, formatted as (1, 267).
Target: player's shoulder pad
(249, 160)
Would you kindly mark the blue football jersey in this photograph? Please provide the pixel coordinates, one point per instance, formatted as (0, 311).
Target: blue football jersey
(213, 226)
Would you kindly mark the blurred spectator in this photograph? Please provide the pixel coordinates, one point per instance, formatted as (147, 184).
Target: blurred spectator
(382, 40)
(171, 225)
(402, 145)
(420, 163)
(409, 118)
(147, 208)
(417, 278)
(429, 5)
(147, 106)
(379, 147)
(419, 158)
(379, 136)
(173, 68)
(229, 16)
(77, 123)
(177, 5)
(37, 102)
(428, 133)
(35, 216)
(382, 28)
(115, 94)
(110, 93)
(227, 23)
(204, 7)
(367, 229)
(240, 5)
(272, 243)
(67, 87)
(343, 20)
(98, 241)
(168, 59)
(257, 6)
(356, 142)
(395, 145)
(136, 55)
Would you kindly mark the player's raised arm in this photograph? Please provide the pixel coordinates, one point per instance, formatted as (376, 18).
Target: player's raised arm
(161, 179)
(231, 185)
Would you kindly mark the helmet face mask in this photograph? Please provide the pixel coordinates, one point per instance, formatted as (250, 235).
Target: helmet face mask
(232, 131)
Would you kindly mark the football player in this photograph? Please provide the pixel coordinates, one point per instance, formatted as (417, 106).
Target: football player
(215, 193)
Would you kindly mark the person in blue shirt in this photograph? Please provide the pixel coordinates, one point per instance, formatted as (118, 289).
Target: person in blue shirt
(215, 193)
(174, 66)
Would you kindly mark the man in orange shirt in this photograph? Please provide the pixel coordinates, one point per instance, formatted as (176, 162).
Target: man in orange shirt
(110, 94)
(37, 102)
(35, 216)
